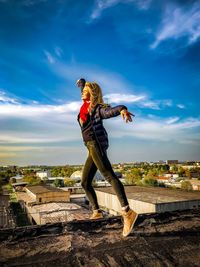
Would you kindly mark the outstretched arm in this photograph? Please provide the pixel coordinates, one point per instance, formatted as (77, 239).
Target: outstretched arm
(108, 112)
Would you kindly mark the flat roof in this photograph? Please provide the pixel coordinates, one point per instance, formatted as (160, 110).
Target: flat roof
(62, 211)
(19, 183)
(155, 194)
(38, 189)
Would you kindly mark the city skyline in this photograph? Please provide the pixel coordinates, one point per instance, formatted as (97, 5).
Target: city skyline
(144, 54)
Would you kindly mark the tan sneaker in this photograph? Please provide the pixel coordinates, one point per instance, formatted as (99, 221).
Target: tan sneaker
(96, 215)
(130, 218)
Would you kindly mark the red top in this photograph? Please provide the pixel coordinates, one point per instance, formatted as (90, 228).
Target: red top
(84, 110)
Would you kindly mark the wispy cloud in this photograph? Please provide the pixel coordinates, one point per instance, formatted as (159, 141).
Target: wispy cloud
(101, 5)
(30, 111)
(51, 59)
(54, 56)
(181, 106)
(172, 120)
(179, 22)
(120, 98)
(38, 133)
(58, 51)
(4, 98)
(141, 100)
(39, 124)
(158, 129)
(110, 82)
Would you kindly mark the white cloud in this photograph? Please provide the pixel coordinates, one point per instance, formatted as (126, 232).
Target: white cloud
(110, 82)
(39, 123)
(51, 59)
(31, 111)
(101, 5)
(179, 22)
(157, 129)
(120, 98)
(181, 106)
(172, 120)
(44, 133)
(150, 104)
(142, 101)
(6, 99)
(58, 123)
(58, 51)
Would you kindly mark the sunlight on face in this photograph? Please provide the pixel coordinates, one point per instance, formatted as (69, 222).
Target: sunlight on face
(85, 94)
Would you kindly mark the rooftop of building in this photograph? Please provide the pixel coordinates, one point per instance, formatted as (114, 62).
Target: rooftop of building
(155, 195)
(165, 239)
(38, 189)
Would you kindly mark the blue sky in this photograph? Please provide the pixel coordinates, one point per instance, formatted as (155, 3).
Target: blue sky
(143, 53)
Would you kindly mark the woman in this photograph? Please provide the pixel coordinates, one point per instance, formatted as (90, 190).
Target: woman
(90, 119)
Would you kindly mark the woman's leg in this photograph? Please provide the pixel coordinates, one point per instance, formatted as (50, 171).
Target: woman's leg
(88, 174)
(103, 164)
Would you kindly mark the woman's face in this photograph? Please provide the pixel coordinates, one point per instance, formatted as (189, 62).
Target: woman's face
(85, 95)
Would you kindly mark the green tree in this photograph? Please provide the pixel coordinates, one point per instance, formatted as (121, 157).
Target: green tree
(58, 183)
(64, 171)
(150, 182)
(181, 171)
(32, 180)
(188, 173)
(151, 174)
(134, 176)
(174, 168)
(69, 182)
(186, 185)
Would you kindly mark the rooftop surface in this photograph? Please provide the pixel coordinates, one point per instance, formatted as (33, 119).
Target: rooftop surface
(168, 239)
(155, 195)
(61, 212)
(38, 189)
(54, 211)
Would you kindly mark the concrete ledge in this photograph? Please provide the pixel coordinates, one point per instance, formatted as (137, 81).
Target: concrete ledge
(160, 239)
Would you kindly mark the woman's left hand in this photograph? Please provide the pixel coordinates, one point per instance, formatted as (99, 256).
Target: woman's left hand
(126, 115)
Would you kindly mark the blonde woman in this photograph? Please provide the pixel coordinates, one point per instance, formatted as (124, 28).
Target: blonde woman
(90, 119)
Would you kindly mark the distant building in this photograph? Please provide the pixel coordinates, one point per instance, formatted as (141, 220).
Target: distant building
(17, 177)
(163, 179)
(19, 186)
(52, 179)
(78, 174)
(148, 199)
(167, 175)
(44, 193)
(185, 167)
(175, 176)
(161, 162)
(195, 184)
(43, 174)
(172, 161)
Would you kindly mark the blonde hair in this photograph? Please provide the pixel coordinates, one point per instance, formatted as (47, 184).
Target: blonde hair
(95, 94)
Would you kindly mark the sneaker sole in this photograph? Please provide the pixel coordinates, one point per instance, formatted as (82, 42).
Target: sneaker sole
(131, 227)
